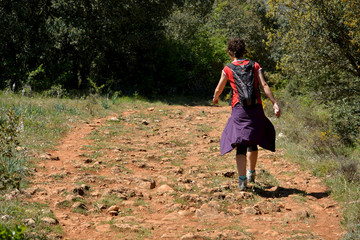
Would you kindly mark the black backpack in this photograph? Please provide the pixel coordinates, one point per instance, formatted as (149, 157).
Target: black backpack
(244, 77)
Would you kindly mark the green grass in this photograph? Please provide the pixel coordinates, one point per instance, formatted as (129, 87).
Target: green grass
(64, 204)
(110, 200)
(45, 121)
(140, 234)
(266, 178)
(240, 229)
(58, 176)
(80, 211)
(140, 202)
(20, 210)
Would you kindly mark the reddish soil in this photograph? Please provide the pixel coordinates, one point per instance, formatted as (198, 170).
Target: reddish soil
(156, 173)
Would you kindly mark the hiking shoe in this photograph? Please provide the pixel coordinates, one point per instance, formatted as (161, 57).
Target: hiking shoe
(242, 184)
(251, 176)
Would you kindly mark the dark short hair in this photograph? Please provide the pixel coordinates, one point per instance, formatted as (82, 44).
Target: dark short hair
(236, 46)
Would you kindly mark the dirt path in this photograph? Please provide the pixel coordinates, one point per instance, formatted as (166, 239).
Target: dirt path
(156, 173)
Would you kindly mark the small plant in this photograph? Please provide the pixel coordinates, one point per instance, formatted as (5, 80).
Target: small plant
(266, 178)
(11, 171)
(58, 176)
(115, 97)
(56, 91)
(12, 234)
(64, 204)
(140, 202)
(110, 200)
(12, 161)
(105, 103)
(94, 88)
(9, 131)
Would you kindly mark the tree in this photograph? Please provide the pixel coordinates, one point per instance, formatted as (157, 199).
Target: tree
(150, 47)
(319, 44)
(23, 39)
(105, 40)
(319, 48)
(247, 20)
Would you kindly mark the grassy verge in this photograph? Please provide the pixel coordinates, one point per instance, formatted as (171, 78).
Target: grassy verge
(308, 135)
(29, 127)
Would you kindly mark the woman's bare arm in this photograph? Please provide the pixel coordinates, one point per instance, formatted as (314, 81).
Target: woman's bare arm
(220, 87)
(265, 87)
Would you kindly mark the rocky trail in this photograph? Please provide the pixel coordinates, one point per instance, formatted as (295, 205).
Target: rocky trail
(156, 173)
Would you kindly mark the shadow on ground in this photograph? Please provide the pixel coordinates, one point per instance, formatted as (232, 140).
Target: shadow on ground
(281, 192)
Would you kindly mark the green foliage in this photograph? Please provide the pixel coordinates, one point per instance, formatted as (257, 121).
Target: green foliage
(105, 40)
(320, 58)
(94, 88)
(12, 234)
(308, 124)
(33, 77)
(19, 210)
(12, 170)
(247, 20)
(153, 47)
(9, 131)
(12, 161)
(345, 118)
(197, 38)
(316, 39)
(56, 91)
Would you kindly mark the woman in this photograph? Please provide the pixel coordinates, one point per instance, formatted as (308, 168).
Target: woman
(248, 126)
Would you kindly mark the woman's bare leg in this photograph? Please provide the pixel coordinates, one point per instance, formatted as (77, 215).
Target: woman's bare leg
(252, 159)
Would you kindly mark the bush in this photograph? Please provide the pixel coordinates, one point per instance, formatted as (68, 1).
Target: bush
(308, 124)
(345, 117)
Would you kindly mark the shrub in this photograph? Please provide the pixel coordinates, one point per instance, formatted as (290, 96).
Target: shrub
(345, 116)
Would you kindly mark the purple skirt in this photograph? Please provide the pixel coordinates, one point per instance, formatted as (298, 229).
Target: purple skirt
(248, 126)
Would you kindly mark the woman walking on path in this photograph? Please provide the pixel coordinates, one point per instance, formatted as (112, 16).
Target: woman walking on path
(248, 126)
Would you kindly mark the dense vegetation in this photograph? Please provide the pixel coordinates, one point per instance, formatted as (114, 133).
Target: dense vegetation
(149, 47)
(320, 46)
(152, 48)
(310, 50)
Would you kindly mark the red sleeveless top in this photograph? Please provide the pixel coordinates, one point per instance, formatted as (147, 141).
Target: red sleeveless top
(230, 76)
